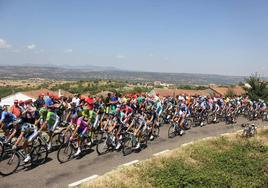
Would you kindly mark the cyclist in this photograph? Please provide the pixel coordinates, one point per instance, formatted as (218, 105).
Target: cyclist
(28, 132)
(49, 120)
(80, 130)
(7, 121)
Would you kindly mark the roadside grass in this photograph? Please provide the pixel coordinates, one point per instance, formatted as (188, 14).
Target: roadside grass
(228, 161)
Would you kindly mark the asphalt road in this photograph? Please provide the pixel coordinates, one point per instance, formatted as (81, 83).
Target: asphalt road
(55, 175)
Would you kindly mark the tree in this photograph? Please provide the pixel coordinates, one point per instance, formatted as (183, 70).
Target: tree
(258, 88)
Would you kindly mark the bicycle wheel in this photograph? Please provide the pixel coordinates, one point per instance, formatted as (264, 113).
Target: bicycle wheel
(9, 163)
(1, 149)
(98, 135)
(56, 140)
(144, 138)
(171, 131)
(187, 124)
(210, 119)
(127, 146)
(39, 155)
(63, 137)
(156, 131)
(102, 146)
(65, 152)
(161, 121)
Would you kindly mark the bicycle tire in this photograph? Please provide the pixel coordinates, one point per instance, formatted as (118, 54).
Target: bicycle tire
(7, 160)
(1, 149)
(39, 155)
(127, 146)
(64, 137)
(210, 119)
(156, 132)
(102, 146)
(171, 131)
(144, 138)
(56, 140)
(65, 152)
(189, 124)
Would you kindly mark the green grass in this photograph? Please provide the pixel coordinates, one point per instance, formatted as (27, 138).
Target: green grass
(241, 164)
(220, 162)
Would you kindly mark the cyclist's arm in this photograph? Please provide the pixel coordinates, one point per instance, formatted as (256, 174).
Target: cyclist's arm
(75, 131)
(37, 121)
(68, 116)
(43, 126)
(19, 139)
(137, 129)
(149, 121)
(12, 135)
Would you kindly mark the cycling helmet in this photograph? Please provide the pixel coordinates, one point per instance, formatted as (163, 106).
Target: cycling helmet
(42, 111)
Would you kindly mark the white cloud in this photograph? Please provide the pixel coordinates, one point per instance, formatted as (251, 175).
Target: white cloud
(151, 55)
(69, 50)
(120, 56)
(31, 46)
(4, 44)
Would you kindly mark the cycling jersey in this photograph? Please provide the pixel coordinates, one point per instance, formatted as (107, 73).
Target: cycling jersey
(29, 130)
(52, 121)
(83, 126)
(8, 118)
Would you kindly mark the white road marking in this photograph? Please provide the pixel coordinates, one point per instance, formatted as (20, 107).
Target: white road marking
(160, 153)
(130, 163)
(186, 144)
(208, 138)
(225, 134)
(75, 184)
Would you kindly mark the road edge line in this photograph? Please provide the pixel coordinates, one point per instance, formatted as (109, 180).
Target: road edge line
(75, 184)
(130, 163)
(161, 152)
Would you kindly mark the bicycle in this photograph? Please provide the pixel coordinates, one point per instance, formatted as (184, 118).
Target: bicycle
(66, 150)
(130, 141)
(11, 159)
(174, 130)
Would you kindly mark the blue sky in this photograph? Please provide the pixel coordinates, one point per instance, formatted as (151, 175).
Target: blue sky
(227, 37)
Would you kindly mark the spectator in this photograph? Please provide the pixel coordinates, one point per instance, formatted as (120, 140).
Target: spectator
(15, 109)
(39, 103)
(76, 100)
(48, 100)
(29, 113)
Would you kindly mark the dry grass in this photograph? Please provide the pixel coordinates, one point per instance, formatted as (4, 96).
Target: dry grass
(192, 156)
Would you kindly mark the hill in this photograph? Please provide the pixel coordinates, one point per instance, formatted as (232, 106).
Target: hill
(111, 73)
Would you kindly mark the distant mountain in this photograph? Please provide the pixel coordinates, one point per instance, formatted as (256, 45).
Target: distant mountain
(76, 67)
(91, 68)
(98, 72)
